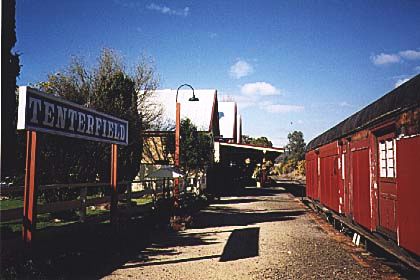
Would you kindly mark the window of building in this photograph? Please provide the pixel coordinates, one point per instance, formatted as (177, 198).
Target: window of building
(387, 158)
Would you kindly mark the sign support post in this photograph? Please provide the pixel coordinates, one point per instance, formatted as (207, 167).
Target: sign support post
(114, 185)
(30, 191)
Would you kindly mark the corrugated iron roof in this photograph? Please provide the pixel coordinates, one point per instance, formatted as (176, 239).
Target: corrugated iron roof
(227, 118)
(398, 100)
(199, 112)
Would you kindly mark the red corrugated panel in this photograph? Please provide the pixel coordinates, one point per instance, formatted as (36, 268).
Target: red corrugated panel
(408, 193)
(315, 187)
(324, 182)
(340, 180)
(374, 173)
(310, 180)
(329, 175)
(334, 184)
(308, 176)
(311, 175)
(347, 168)
(360, 178)
(330, 180)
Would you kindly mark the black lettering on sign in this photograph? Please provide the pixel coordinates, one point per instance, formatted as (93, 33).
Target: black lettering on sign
(43, 112)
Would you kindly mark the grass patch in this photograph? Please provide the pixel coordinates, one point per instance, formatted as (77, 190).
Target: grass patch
(142, 200)
(48, 220)
(90, 211)
(43, 221)
(11, 203)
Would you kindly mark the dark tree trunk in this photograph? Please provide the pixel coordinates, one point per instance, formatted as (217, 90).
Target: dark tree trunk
(10, 70)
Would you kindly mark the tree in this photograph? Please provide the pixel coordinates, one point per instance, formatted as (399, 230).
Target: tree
(246, 139)
(196, 148)
(296, 146)
(108, 88)
(260, 141)
(11, 69)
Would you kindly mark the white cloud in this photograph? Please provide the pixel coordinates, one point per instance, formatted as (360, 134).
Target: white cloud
(282, 108)
(259, 88)
(241, 69)
(383, 58)
(245, 102)
(127, 3)
(401, 81)
(410, 54)
(259, 95)
(270, 107)
(390, 58)
(344, 104)
(242, 101)
(168, 11)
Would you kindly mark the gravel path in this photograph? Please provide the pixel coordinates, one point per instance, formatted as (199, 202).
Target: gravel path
(265, 234)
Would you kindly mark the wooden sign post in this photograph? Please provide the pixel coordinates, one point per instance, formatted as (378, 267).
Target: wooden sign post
(31, 186)
(114, 186)
(41, 112)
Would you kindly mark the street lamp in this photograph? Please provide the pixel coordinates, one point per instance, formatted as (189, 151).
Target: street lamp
(178, 121)
(177, 136)
(193, 98)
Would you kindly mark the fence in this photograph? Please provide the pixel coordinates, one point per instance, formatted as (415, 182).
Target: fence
(156, 188)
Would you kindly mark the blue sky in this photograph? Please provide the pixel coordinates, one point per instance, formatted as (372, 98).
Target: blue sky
(290, 65)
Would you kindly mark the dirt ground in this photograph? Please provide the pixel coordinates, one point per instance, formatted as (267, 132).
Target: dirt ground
(262, 234)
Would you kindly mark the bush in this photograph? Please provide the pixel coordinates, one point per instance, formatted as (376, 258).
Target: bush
(300, 168)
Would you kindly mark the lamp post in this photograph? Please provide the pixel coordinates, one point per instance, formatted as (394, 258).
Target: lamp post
(177, 137)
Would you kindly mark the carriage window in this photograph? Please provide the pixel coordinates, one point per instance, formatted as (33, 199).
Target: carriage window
(387, 159)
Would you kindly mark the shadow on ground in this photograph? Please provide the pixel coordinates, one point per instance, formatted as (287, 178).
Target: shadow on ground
(94, 250)
(276, 187)
(223, 216)
(242, 243)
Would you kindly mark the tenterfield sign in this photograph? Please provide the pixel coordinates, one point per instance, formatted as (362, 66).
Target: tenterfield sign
(43, 112)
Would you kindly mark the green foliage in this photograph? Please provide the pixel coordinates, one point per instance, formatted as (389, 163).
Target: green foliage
(260, 141)
(107, 88)
(293, 163)
(291, 168)
(11, 203)
(288, 166)
(296, 146)
(246, 139)
(196, 149)
(301, 168)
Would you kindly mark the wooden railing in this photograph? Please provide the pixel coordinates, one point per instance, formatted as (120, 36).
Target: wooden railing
(157, 188)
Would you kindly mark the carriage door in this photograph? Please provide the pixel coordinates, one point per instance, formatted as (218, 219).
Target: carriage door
(387, 185)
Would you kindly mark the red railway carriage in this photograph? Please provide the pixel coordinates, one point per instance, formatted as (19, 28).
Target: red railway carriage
(367, 167)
